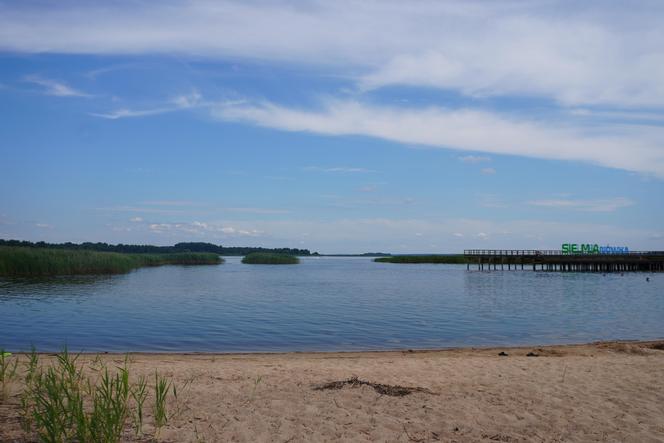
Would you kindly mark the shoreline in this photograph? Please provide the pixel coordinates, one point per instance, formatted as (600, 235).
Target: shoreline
(601, 391)
(452, 349)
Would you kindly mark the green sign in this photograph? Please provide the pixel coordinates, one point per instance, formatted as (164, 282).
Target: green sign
(587, 248)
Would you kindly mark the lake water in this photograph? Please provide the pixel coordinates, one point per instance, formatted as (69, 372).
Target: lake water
(325, 304)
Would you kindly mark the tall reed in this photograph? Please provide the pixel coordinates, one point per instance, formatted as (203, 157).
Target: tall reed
(28, 262)
(268, 258)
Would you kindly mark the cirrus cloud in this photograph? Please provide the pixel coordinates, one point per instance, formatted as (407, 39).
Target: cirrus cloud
(631, 148)
(595, 55)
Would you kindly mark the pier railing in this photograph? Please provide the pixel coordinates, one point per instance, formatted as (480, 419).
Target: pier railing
(512, 252)
(556, 260)
(539, 252)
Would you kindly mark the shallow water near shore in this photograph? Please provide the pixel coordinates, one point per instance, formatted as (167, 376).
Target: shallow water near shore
(325, 304)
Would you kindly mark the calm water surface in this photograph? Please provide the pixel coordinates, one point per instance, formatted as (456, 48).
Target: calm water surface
(325, 304)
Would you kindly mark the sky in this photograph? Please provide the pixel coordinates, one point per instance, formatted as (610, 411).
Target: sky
(342, 127)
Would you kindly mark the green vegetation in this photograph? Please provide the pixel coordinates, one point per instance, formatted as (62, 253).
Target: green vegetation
(7, 371)
(151, 249)
(161, 388)
(449, 259)
(30, 262)
(67, 401)
(264, 258)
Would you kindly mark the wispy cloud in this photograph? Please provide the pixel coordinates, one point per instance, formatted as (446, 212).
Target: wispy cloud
(144, 209)
(474, 159)
(171, 203)
(129, 113)
(246, 210)
(634, 148)
(184, 207)
(177, 103)
(217, 230)
(629, 115)
(599, 205)
(488, 171)
(54, 87)
(396, 234)
(492, 201)
(341, 169)
(595, 55)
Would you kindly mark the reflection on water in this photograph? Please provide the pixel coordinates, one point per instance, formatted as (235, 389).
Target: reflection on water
(325, 304)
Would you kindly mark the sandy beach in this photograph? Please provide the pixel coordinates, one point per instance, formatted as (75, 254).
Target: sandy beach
(611, 391)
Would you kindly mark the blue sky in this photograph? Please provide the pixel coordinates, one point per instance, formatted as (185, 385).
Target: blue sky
(336, 126)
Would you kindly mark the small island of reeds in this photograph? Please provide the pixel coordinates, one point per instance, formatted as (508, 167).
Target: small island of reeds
(415, 259)
(36, 262)
(266, 258)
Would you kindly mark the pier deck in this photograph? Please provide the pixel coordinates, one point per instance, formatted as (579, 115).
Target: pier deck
(556, 260)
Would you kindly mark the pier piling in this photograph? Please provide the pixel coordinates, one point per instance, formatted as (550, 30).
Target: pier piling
(557, 261)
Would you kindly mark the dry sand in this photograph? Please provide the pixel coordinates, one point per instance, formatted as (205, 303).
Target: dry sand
(597, 392)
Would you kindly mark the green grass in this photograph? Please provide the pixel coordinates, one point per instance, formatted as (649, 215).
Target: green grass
(7, 371)
(442, 259)
(266, 258)
(32, 262)
(65, 401)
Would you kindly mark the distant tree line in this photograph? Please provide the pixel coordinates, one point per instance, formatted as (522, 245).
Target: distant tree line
(151, 249)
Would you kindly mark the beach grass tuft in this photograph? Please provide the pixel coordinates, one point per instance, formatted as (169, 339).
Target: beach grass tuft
(8, 368)
(265, 258)
(161, 388)
(34, 262)
(63, 401)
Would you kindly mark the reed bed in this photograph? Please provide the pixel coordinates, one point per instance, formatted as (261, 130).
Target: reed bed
(29, 262)
(266, 258)
(414, 259)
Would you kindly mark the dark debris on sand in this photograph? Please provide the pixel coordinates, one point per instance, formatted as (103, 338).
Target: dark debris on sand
(391, 390)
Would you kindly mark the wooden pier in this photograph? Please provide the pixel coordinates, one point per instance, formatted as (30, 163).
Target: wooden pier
(556, 261)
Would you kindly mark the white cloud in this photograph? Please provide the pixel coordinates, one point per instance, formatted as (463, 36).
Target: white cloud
(177, 207)
(249, 210)
(654, 117)
(578, 54)
(178, 103)
(599, 205)
(474, 159)
(55, 88)
(142, 209)
(136, 219)
(129, 113)
(488, 171)
(571, 52)
(492, 201)
(342, 169)
(397, 235)
(203, 229)
(631, 148)
(170, 203)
